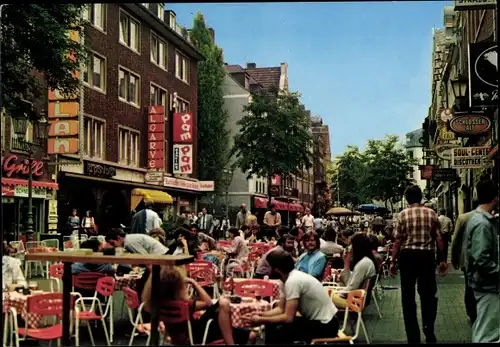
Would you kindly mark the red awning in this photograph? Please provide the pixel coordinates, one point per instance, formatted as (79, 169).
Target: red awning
(21, 182)
(280, 205)
(295, 207)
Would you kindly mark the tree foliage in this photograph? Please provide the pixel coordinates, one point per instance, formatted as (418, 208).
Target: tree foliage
(274, 136)
(35, 51)
(213, 137)
(347, 178)
(381, 172)
(388, 169)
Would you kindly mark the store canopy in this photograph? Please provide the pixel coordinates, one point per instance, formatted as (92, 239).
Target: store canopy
(156, 196)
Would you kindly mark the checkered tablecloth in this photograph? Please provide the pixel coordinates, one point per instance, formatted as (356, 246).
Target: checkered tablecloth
(19, 302)
(126, 282)
(276, 286)
(238, 310)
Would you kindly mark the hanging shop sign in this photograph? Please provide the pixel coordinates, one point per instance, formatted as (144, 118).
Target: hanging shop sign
(470, 124)
(183, 128)
(483, 74)
(444, 174)
(179, 183)
(22, 192)
(98, 170)
(156, 137)
(443, 151)
(153, 177)
(13, 166)
(426, 171)
(466, 5)
(469, 157)
(182, 159)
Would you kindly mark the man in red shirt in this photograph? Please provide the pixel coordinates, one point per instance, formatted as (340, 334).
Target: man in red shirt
(417, 232)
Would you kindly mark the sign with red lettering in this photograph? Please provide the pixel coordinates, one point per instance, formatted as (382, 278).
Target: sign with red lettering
(183, 131)
(182, 159)
(156, 137)
(13, 166)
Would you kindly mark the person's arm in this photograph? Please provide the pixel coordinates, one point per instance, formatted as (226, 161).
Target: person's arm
(481, 250)
(205, 301)
(318, 267)
(212, 244)
(399, 236)
(291, 307)
(357, 276)
(265, 220)
(278, 219)
(439, 240)
(277, 310)
(457, 243)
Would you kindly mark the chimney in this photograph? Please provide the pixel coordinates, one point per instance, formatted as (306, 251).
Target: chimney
(212, 33)
(251, 65)
(284, 68)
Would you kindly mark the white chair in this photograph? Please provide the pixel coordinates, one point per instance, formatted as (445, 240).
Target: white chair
(50, 243)
(38, 265)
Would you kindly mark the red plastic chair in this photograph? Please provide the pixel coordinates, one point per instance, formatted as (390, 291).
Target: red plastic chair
(200, 254)
(177, 312)
(43, 305)
(106, 287)
(56, 272)
(228, 285)
(206, 277)
(327, 274)
(87, 280)
(254, 288)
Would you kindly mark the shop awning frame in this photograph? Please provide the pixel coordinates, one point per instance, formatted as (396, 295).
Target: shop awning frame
(156, 196)
(22, 182)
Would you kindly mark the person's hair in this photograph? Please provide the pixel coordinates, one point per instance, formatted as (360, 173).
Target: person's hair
(244, 227)
(74, 210)
(148, 204)
(294, 231)
(195, 226)
(486, 192)
(282, 261)
(93, 244)
(282, 240)
(413, 194)
(361, 247)
(282, 230)
(234, 231)
(114, 234)
(347, 232)
(181, 231)
(475, 204)
(330, 235)
(170, 286)
(374, 242)
(311, 235)
(442, 212)
(298, 214)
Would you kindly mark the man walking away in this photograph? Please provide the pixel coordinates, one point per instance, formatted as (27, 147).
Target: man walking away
(483, 264)
(145, 220)
(446, 226)
(416, 233)
(241, 217)
(458, 253)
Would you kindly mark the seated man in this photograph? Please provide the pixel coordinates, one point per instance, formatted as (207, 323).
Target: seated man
(301, 293)
(95, 246)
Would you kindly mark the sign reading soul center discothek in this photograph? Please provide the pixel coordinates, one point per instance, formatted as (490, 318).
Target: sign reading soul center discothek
(469, 157)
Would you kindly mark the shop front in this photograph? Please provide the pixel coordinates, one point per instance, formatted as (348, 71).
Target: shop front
(287, 209)
(15, 174)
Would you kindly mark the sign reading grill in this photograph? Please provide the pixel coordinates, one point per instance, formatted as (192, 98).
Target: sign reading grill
(470, 124)
(469, 157)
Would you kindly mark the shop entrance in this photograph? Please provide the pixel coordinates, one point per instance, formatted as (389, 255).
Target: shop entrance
(15, 216)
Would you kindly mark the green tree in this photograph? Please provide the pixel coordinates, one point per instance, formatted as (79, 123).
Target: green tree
(348, 171)
(35, 46)
(213, 137)
(388, 169)
(274, 136)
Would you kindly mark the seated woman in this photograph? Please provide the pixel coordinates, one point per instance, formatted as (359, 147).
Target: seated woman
(375, 243)
(312, 261)
(363, 268)
(238, 250)
(173, 287)
(180, 244)
(95, 246)
(12, 274)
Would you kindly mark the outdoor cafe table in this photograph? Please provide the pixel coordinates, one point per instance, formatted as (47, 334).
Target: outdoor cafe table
(67, 258)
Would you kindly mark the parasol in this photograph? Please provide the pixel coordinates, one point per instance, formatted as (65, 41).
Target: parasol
(341, 211)
(371, 208)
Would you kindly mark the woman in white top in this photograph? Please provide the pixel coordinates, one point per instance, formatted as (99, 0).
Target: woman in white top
(12, 274)
(362, 263)
(298, 219)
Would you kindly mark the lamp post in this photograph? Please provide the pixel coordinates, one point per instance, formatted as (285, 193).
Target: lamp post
(20, 122)
(459, 87)
(288, 192)
(227, 178)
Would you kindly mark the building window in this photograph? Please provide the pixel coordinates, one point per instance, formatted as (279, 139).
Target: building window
(158, 51)
(95, 14)
(128, 85)
(93, 137)
(182, 105)
(129, 32)
(181, 67)
(158, 96)
(129, 147)
(160, 12)
(16, 139)
(94, 72)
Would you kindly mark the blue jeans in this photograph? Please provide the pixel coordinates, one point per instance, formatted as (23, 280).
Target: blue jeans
(486, 328)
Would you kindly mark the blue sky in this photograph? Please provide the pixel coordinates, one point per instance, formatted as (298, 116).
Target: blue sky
(364, 67)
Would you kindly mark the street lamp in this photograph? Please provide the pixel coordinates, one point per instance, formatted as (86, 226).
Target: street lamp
(21, 119)
(459, 86)
(288, 192)
(227, 177)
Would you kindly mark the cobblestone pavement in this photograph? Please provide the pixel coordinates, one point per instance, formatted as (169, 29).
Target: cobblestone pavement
(452, 324)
